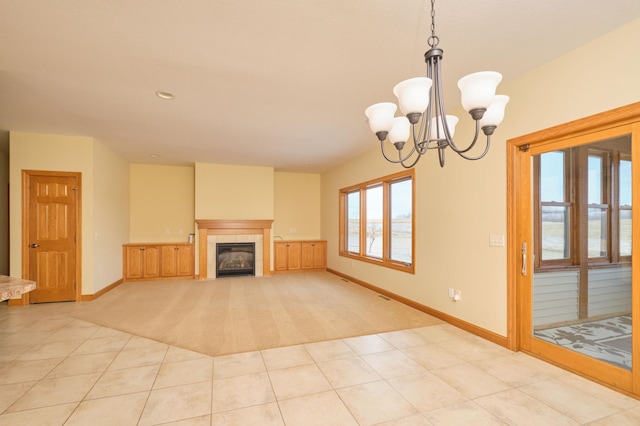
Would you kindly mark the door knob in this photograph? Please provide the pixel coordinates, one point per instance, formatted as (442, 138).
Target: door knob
(34, 245)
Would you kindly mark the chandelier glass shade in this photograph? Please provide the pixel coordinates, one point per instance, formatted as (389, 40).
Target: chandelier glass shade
(421, 105)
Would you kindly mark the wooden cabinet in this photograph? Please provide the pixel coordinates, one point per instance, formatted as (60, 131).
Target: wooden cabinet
(141, 262)
(287, 256)
(314, 255)
(157, 261)
(292, 256)
(177, 260)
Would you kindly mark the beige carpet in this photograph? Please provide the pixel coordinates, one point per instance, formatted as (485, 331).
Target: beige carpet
(241, 314)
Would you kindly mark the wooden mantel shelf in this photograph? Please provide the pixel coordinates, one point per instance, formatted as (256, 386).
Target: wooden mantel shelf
(234, 227)
(234, 224)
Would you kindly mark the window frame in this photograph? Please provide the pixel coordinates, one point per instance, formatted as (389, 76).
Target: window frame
(576, 193)
(617, 207)
(384, 182)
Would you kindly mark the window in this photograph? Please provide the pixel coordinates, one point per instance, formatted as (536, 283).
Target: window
(353, 221)
(598, 198)
(377, 221)
(583, 205)
(555, 208)
(624, 206)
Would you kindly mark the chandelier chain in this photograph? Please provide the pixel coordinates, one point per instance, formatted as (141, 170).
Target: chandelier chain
(433, 40)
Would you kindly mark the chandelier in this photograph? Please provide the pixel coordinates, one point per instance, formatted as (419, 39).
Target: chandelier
(422, 105)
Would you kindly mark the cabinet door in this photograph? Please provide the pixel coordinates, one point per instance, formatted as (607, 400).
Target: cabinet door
(169, 266)
(151, 256)
(307, 255)
(293, 256)
(320, 255)
(313, 255)
(184, 260)
(280, 255)
(134, 262)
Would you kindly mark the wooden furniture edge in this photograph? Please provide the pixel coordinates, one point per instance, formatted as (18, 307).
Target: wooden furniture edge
(157, 244)
(22, 301)
(234, 224)
(301, 271)
(305, 240)
(182, 277)
(464, 325)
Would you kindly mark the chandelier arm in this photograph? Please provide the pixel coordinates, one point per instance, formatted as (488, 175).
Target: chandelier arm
(400, 159)
(441, 156)
(420, 144)
(440, 109)
(443, 113)
(434, 93)
(418, 157)
(473, 142)
(486, 149)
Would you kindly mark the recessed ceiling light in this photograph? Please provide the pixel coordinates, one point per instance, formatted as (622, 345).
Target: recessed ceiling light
(164, 95)
(155, 155)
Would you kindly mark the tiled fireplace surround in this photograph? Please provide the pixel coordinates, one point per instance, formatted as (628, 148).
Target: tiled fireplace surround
(211, 232)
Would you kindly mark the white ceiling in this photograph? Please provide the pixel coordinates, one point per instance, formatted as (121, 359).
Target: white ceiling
(280, 83)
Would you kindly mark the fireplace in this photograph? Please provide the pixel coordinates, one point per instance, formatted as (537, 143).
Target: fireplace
(235, 259)
(214, 231)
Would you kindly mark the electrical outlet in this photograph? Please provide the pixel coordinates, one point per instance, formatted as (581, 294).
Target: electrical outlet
(457, 295)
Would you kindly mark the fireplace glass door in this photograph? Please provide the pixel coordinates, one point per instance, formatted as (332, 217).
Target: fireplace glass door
(235, 259)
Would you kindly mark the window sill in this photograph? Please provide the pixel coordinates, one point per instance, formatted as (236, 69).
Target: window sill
(398, 266)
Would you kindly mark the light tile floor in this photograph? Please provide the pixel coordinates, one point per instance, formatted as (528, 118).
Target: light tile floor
(56, 370)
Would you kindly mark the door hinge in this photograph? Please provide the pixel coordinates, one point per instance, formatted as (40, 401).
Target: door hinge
(524, 148)
(74, 239)
(74, 286)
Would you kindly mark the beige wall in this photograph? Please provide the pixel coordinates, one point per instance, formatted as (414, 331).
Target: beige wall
(296, 206)
(110, 217)
(4, 203)
(162, 203)
(233, 192)
(459, 206)
(101, 177)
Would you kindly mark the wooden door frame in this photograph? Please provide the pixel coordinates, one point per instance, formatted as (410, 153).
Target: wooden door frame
(583, 128)
(26, 176)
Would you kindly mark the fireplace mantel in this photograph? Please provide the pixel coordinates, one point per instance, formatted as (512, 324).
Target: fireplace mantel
(234, 227)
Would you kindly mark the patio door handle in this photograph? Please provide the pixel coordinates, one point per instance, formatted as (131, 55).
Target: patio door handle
(524, 260)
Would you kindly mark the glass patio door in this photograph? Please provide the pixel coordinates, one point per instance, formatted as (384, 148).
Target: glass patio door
(574, 236)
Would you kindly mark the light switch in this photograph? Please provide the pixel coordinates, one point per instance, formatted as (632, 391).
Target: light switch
(496, 240)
